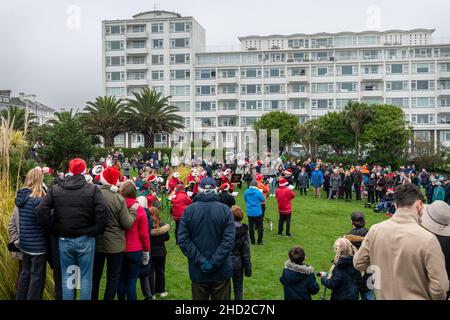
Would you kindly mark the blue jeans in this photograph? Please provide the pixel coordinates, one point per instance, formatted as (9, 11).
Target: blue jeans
(73, 253)
(369, 295)
(131, 263)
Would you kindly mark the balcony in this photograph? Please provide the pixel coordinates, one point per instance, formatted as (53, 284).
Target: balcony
(137, 51)
(226, 80)
(137, 82)
(137, 35)
(298, 78)
(226, 96)
(137, 66)
(372, 92)
(444, 91)
(228, 122)
(444, 75)
(294, 95)
(371, 76)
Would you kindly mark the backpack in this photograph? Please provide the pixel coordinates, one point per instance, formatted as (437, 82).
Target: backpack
(438, 193)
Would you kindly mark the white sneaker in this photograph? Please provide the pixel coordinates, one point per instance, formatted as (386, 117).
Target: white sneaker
(163, 294)
(153, 297)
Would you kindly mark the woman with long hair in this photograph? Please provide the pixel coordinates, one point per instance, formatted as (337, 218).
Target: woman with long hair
(33, 243)
(137, 249)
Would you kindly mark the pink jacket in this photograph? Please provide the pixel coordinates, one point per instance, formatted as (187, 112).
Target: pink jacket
(137, 238)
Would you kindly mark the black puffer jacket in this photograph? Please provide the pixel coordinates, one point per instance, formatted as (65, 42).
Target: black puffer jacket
(79, 209)
(240, 254)
(343, 281)
(298, 281)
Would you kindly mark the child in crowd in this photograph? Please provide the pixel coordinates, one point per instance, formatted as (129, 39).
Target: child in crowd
(284, 197)
(356, 237)
(158, 236)
(342, 277)
(240, 254)
(298, 278)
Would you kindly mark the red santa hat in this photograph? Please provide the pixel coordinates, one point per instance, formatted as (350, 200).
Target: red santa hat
(227, 171)
(289, 172)
(110, 177)
(225, 187)
(283, 182)
(77, 166)
(176, 174)
(259, 177)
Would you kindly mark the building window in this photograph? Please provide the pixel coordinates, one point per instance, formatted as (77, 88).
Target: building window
(180, 58)
(274, 88)
(322, 104)
(180, 74)
(251, 105)
(115, 61)
(205, 106)
(251, 73)
(322, 87)
(180, 27)
(398, 102)
(274, 104)
(115, 30)
(157, 44)
(274, 72)
(180, 90)
(182, 106)
(157, 28)
(136, 28)
(136, 44)
(227, 73)
(116, 91)
(251, 89)
(160, 138)
(157, 59)
(346, 86)
(396, 85)
(422, 102)
(115, 76)
(205, 74)
(115, 45)
(422, 85)
(205, 90)
(179, 43)
(158, 75)
(136, 75)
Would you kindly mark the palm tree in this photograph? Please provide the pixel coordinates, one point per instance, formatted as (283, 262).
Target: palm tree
(62, 116)
(150, 113)
(308, 136)
(104, 117)
(356, 116)
(18, 115)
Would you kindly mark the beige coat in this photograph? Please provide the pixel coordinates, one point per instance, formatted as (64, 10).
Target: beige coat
(409, 258)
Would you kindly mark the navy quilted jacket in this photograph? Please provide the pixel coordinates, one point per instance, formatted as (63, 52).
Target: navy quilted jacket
(32, 238)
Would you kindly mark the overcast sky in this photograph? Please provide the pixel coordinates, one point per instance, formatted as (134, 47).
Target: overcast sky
(43, 50)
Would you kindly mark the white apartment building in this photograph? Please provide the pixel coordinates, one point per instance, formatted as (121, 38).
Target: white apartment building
(42, 112)
(220, 94)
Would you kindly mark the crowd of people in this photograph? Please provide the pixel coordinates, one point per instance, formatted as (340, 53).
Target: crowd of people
(109, 214)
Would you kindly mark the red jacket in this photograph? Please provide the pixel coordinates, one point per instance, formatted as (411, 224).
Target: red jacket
(179, 203)
(137, 238)
(284, 197)
(225, 179)
(172, 184)
(191, 178)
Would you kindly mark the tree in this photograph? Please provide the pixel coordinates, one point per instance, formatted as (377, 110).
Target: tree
(387, 135)
(104, 117)
(288, 125)
(356, 116)
(64, 140)
(308, 134)
(150, 113)
(333, 132)
(18, 115)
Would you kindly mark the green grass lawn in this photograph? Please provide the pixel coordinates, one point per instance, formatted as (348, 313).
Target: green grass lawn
(316, 224)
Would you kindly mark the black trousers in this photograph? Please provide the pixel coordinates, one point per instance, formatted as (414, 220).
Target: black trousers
(371, 196)
(145, 286)
(303, 190)
(213, 291)
(32, 277)
(158, 275)
(284, 218)
(379, 195)
(113, 269)
(177, 225)
(348, 194)
(256, 222)
(358, 191)
(238, 284)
